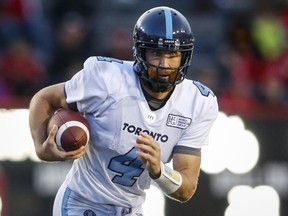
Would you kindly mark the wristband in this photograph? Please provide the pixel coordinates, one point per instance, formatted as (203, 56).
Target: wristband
(170, 180)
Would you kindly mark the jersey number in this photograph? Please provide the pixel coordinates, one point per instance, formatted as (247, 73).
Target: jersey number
(205, 91)
(128, 167)
(108, 59)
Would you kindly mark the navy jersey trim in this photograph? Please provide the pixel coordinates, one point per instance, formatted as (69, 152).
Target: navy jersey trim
(187, 150)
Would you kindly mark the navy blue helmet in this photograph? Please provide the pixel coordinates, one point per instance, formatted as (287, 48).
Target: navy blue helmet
(162, 28)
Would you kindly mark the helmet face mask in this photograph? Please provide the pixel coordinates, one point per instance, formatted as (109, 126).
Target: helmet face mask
(162, 29)
(152, 76)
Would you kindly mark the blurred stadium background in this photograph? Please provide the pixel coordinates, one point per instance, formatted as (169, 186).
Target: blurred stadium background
(241, 53)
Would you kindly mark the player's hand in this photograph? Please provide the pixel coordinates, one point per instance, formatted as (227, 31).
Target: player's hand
(49, 152)
(149, 152)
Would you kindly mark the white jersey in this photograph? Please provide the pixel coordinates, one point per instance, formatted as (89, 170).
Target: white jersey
(108, 91)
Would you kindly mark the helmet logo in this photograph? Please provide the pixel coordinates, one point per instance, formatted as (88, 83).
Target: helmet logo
(173, 45)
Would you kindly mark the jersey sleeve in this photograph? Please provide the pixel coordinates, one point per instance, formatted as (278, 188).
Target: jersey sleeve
(197, 134)
(87, 88)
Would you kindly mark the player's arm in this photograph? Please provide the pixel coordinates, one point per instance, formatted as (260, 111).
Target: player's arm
(43, 104)
(178, 183)
(188, 166)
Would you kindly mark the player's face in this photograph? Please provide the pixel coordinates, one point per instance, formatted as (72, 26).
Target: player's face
(165, 64)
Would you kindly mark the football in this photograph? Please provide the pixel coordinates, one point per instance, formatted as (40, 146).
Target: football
(73, 129)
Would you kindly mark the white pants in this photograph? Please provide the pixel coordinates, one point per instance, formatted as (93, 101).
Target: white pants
(66, 204)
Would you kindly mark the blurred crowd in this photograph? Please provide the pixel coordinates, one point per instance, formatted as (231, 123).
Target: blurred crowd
(41, 43)
(44, 42)
(255, 60)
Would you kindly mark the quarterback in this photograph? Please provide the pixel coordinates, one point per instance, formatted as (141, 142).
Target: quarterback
(142, 115)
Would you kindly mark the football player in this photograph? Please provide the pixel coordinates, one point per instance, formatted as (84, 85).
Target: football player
(142, 115)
